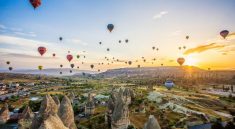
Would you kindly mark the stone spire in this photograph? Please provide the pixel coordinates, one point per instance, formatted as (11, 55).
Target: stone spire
(52, 122)
(48, 107)
(57, 101)
(4, 114)
(26, 118)
(152, 123)
(66, 113)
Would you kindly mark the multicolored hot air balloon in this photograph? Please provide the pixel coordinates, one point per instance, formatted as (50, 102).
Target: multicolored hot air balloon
(110, 27)
(71, 65)
(92, 66)
(10, 68)
(224, 33)
(40, 67)
(60, 38)
(42, 50)
(78, 56)
(187, 37)
(181, 61)
(69, 57)
(126, 40)
(35, 3)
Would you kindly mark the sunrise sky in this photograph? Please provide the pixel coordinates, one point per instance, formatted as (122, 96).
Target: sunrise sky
(145, 23)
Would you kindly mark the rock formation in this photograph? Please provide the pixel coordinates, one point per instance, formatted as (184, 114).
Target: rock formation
(118, 113)
(26, 118)
(152, 123)
(48, 107)
(52, 122)
(66, 113)
(90, 105)
(57, 101)
(4, 114)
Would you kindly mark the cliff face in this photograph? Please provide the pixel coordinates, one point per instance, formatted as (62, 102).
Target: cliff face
(4, 114)
(66, 113)
(152, 123)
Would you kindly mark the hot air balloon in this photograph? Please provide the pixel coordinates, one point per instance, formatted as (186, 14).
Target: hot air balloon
(119, 41)
(40, 67)
(82, 62)
(98, 70)
(61, 66)
(70, 71)
(184, 47)
(187, 37)
(157, 49)
(53, 54)
(169, 84)
(84, 56)
(161, 64)
(107, 49)
(10, 68)
(92, 66)
(8, 62)
(77, 67)
(209, 69)
(110, 27)
(179, 48)
(138, 66)
(181, 61)
(224, 33)
(60, 72)
(153, 47)
(144, 60)
(42, 50)
(71, 65)
(35, 3)
(126, 40)
(60, 38)
(68, 51)
(78, 56)
(129, 62)
(69, 57)
(100, 43)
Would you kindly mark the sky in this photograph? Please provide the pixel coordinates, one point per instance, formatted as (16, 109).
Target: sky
(163, 24)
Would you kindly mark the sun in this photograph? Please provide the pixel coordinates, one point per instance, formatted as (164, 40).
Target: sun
(190, 61)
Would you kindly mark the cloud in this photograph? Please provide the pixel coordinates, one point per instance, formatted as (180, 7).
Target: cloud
(160, 15)
(19, 55)
(203, 48)
(77, 41)
(2, 27)
(31, 34)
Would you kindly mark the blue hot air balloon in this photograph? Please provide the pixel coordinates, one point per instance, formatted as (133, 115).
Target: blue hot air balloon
(169, 84)
(110, 27)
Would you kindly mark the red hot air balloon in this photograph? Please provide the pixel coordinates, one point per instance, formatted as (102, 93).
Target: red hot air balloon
(35, 3)
(181, 61)
(69, 57)
(224, 33)
(42, 50)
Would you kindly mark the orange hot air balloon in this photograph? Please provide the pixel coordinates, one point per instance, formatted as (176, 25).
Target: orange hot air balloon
(42, 50)
(35, 3)
(181, 61)
(69, 57)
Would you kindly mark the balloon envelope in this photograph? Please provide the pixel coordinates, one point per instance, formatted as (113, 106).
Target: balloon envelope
(42, 50)
(35, 3)
(40, 67)
(181, 61)
(169, 84)
(110, 27)
(224, 33)
(69, 57)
